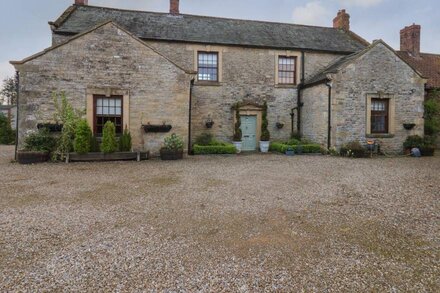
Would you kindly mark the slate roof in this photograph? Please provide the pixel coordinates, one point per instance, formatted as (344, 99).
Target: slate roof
(210, 30)
(344, 60)
(427, 64)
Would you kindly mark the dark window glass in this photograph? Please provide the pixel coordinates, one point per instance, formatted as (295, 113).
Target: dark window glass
(208, 66)
(379, 115)
(108, 109)
(286, 70)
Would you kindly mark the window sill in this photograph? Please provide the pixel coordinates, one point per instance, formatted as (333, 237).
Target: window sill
(287, 86)
(207, 83)
(379, 135)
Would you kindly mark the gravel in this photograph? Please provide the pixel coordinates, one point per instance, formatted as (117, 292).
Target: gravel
(242, 223)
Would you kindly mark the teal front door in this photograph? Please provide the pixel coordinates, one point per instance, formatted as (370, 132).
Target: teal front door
(249, 132)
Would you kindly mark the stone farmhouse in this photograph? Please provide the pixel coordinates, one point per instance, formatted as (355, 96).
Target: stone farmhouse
(137, 68)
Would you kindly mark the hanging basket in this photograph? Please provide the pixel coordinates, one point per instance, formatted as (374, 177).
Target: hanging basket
(150, 128)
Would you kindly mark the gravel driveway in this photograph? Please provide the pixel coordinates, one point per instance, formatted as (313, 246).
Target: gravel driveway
(227, 223)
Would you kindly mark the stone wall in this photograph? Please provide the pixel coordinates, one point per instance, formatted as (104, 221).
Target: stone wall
(248, 74)
(314, 115)
(378, 72)
(107, 58)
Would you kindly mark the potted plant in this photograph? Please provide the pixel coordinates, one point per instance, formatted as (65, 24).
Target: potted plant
(236, 140)
(412, 141)
(37, 147)
(173, 148)
(428, 146)
(265, 134)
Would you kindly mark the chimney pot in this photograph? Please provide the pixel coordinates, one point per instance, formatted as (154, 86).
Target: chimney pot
(342, 20)
(82, 2)
(174, 7)
(410, 39)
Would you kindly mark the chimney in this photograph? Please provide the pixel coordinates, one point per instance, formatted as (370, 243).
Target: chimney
(82, 2)
(342, 20)
(410, 39)
(174, 7)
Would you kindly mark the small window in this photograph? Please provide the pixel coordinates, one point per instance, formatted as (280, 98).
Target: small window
(379, 115)
(207, 66)
(286, 70)
(108, 109)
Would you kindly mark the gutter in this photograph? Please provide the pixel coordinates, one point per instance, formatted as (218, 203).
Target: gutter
(190, 151)
(300, 104)
(329, 126)
(17, 76)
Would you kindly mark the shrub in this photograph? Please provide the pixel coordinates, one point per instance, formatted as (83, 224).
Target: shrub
(237, 126)
(109, 144)
(83, 135)
(125, 141)
(40, 141)
(306, 148)
(173, 142)
(265, 134)
(7, 134)
(214, 149)
(353, 149)
(94, 145)
(293, 141)
(432, 115)
(66, 115)
(413, 141)
(204, 139)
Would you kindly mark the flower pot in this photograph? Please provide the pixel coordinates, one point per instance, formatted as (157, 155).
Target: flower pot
(169, 155)
(29, 157)
(237, 145)
(264, 146)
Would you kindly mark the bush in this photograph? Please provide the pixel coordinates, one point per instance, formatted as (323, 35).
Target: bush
(214, 149)
(109, 144)
(237, 126)
(306, 148)
(83, 135)
(125, 141)
(204, 139)
(293, 141)
(40, 141)
(7, 134)
(353, 149)
(432, 116)
(265, 134)
(173, 142)
(413, 141)
(94, 145)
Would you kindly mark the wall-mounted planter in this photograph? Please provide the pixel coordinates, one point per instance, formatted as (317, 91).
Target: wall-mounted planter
(409, 126)
(51, 127)
(209, 124)
(280, 125)
(150, 128)
(118, 156)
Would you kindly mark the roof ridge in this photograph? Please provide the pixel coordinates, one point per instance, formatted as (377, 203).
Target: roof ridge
(206, 16)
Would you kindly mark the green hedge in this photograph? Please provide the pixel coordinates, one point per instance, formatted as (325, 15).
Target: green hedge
(214, 149)
(306, 148)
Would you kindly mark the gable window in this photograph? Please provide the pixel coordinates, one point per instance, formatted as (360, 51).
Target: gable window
(286, 70)
(379, 115)
(207, 66)
(107, 109)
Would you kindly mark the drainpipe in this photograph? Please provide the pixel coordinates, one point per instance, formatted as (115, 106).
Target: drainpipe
(17, 77)
(190, 152)
(329, 128)
(300, 87)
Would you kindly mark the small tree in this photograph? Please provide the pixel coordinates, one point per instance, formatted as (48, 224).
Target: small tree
(7, 135)
(125, 141)
(265, 134)
(237, 127)
(83, 135)
(66, 115)
(9, 90)
(432, 114)
(109, 143)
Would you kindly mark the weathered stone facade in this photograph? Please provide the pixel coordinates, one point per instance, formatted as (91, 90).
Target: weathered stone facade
(377, 73)
(107, 59)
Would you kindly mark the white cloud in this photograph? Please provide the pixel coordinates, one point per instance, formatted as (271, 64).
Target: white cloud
(313, 13)
(362, 3)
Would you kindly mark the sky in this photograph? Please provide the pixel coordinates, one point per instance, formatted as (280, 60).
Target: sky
(25, 28)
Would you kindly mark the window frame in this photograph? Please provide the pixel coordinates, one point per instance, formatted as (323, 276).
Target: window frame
(217, 67)
(95, 126)
(295, 64)
(385, 113)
